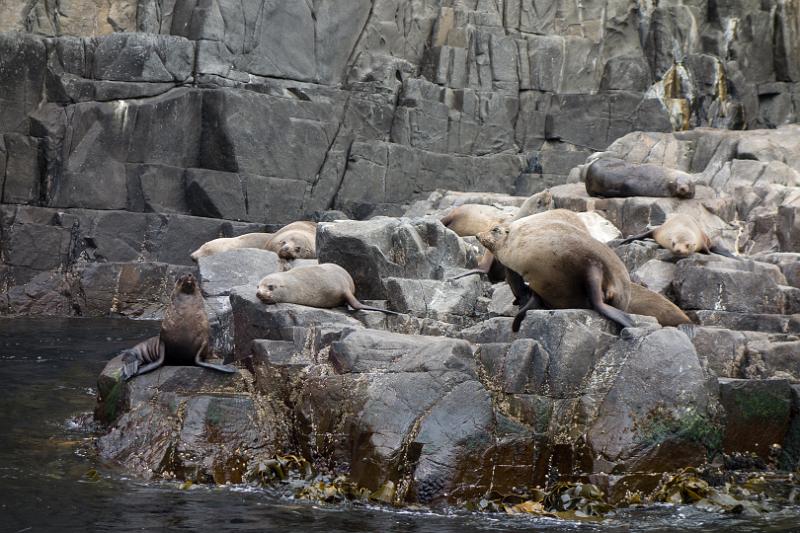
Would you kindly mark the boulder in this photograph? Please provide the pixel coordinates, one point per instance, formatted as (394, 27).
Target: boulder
(244, 267)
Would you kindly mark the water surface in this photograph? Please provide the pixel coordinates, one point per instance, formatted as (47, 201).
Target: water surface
(50, 479)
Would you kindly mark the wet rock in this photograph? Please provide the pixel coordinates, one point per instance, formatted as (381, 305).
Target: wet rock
(757, 414)
(188, 423)
(374, 250)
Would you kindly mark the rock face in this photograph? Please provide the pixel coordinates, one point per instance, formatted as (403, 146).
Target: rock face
(267, 112)
(444, 403)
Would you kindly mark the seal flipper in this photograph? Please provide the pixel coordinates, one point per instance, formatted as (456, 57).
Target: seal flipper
(484, 266)
(219, 368)
(638, 237)
(721, 250)
(131, 367)
(522, 293)
(594, 284)
(353, 302)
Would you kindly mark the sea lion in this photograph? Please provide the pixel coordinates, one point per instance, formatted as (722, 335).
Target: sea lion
(536, 203)
(297, 240)
(183, 339)
(223, 244)
(614, 177)
(683, 236)
(646, 302)
(326, 285)
(470, 219)
(565, 267)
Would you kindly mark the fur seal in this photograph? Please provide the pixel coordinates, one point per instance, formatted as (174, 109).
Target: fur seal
(564, 266)
(293, 241)
(183, 339)
(470, 219)
(683, 236)
(614, 177)
(646, 302)
(326, 285)
(223, 244)
(297, 240)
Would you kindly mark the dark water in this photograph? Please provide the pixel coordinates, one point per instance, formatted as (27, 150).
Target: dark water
(50, 480)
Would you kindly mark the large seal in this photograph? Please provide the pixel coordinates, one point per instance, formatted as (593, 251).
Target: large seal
(468, 220)
(183, 339)
(613, 177)
(683, 236)
(326, 285)
(565, 267)
(646, 302)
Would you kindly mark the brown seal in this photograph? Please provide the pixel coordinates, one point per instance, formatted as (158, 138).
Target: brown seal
(536, 203)
(646, 302)
(223, 244)
(470, 219)
(183, 339)
(326, 285)
(565, 267)
(683, 236)
(614, 177)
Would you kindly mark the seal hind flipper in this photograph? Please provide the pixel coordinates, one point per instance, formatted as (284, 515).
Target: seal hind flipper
(468, 273)
(132, 359)
(522, 293)
(353, 302)
(721, 250)
(594, 282)
(532, 302)
(638, 237)
(219, 368)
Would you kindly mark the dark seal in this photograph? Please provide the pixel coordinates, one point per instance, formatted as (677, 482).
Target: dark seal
(184, 335)
(612, 177)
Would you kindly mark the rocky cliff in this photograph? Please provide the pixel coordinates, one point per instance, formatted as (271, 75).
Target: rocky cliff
(131, 131)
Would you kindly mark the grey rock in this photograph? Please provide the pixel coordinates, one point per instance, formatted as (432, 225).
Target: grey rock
(244, 267)
(441, 300)
(377, 249)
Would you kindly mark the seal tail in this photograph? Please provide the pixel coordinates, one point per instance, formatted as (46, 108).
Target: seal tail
(353, 302)
(594, 282)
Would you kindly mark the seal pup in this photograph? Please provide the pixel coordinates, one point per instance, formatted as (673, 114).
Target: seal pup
(183, 339)
(223, 244)
(613, 177)
(682, 236)
(646, 302)
(468, 220)
(325, 286)
(565, 267)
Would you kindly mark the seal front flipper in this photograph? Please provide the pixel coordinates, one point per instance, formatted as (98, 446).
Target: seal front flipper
(219, 368)
(640, 236)
(594, 283)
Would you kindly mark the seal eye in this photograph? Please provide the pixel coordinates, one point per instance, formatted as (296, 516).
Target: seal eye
(297, 249)
(270, 287)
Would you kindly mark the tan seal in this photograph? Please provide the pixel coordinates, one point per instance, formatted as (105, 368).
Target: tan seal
(682, 235)
(613, 177)
(325, 286)
(646, 302)
(184, 335)
(293, 241)
(565, 267)
(470, 219)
